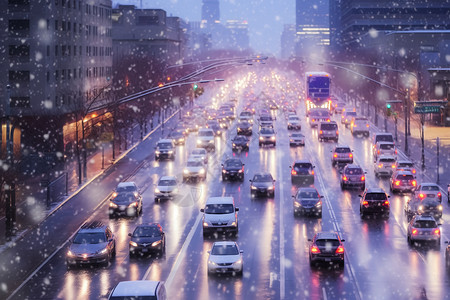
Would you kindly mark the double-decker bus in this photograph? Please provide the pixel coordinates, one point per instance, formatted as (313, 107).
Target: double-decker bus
(317, 90)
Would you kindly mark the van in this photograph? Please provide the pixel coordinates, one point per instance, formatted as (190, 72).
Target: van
(138, 290)
(220, 215)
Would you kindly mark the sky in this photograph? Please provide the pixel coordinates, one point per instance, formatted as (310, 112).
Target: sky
(265, 17)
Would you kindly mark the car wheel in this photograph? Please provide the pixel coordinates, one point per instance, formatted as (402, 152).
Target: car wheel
(320, 215)
(156, 199)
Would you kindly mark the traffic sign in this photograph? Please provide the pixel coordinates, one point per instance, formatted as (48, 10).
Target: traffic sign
(427, 109)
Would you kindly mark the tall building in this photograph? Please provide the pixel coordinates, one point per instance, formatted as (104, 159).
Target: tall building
(236, 35)
(288, 37)
(210, 12)
(313, 25)
(57, 55)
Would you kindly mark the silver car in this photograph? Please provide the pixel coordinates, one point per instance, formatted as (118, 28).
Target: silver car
(424, 228)
(384, 166)
(225, 257)
(342, 155)
(167, 188)
(429, 191)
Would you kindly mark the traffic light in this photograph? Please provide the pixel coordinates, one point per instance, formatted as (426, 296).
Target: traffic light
(198, 91)
(388, 109)
(195, 87)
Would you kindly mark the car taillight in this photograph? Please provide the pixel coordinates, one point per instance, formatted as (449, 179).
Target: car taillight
(378, 151)
(397, 183)
(437, 231)
(315, 249)
(414, 231)
(414, 183)
(340, 249)
(344, 178)
(363, 178)
(421, 196)
(367, 125)
(365, 202)
(386, 203)
(293, 172)
(335, 155)
(395, 151)
(393, 166)
(337, 131)
(313, 120)
(350, 155)
(380, 165)
(328, 120)
(320, 132)
(353, 125)
(439, 195)
(312, 172)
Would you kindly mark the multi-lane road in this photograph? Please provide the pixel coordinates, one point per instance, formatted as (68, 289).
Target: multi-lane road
(379, 264)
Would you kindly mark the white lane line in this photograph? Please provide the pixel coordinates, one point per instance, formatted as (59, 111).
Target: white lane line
(182, 253)
(324, 294)
(282, 254)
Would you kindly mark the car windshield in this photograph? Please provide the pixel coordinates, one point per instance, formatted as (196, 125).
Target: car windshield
(405, 177)
(294, 118)
(342, 150)
(146, 231)
(328, 126)
(164, 145)
(194, 164)
(266, 118)
(267, 130)
(302, 166)
(244, 124)
(199, 152)
(175, 134)
(167, 182)
(297, 135)
(430, 188)
(219, 209)
(125, 189)
(224, 250)
(240, 139)
(233, 164)
(387, 160)
(89, 238)
(327, 243)
(361, 119)
(262, 178)
(125, 197)
(425, 224)
(353, 171)
(206, 133)
(350, 113)
(375, 196)
(319, 113)
(385, 138)
(405, 165)
(246, 113)
(386, 146)
(307, 194)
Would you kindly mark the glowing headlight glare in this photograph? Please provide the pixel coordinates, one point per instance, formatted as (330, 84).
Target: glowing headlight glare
(202, 171)
(133, 244)
(186, 171)
(154, 244)
(157, 191)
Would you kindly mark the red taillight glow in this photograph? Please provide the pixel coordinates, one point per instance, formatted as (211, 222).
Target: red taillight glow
(313, 120)
(293, 172)
(378, 151)
(365, 202)
(312, 172)
(328, 120)
(437, 231)
(414, 171)
(397, 183)
(393, 166)
(320, 132)
(340, 249)
(367, 125)
(386, 203)
(350, 155)
(335, 155)
(315, 249)
(395, 151)
(380, 165)
(421, 196)
(414, 231)
(414, 183)
(344, 178)
(363, 178)
(337, 132)
(439, 195)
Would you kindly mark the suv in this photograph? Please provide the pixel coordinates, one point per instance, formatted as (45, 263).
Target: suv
(347, 116)
(93, 243)
(165, 148)
(302, 171)
(405, 165)
(384, 148)
(353, 175)
(205, 139)
(424, 228)
(403, 181)
(429, 191)
(138, 289)
(381, 137)
(220, 215)
(328, 131)
(342, 155)
(360, 125)
(374, 201)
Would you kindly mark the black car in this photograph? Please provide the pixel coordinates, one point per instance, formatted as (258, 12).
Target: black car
(240, 143)
(262, 184)
(326, 247)
(177, 137)
(307, 201)
(374, 201)
(233, 168)
(244, 128)
(147, 238)
(127, 204)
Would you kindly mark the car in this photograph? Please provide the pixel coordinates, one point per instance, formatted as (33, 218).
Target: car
(447, 255)
(177, 137)
(165, 149)
(384, 165)
(244, 128)
(205, 139)
(217, 130)
(423, 228)
(374, 201)
(246, 115)
(405, 165)
(195, 169)
(341, 155)
(382, 137)
(328, 131)
(199, 153)
(415, 206)
(147, 238)
(267, 136)
(360, 125)
(220, 216)
(385, 148)
(318, 115)
(125, 200)
(94, 243)
(212, 122)
(233, 168)
(403, 181)
(225, 257)
(265, 120)
(347, 116)
(353, 176)
(339, 107)
(308, 201)
(302, 171)
(326, 247)
(296, 139)
(293, 122)
(429, 190)
(167, 188)
(138, 289)
(191, 126)
(262, 184)
(240, 143)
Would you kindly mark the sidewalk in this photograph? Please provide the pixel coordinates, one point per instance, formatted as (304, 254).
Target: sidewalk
(31, 196)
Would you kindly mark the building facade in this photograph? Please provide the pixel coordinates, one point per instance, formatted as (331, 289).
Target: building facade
(288, 37)
(58, 56)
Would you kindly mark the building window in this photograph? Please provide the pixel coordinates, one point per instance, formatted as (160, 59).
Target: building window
(56, 75)
(19, 50)
(48, 24)
(79, 73)
(56, 25)
(75, 73)
(19, 76)
(48, 50)
(56, 50)
(74, 50)
(63, 25)
(19, 2)
(147, 20)
(18, 27)
(63, 50)
(63, 74)
(48, 77)
(20, 102)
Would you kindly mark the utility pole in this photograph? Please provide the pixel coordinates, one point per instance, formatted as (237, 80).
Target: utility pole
(9, 179)
(405, 108)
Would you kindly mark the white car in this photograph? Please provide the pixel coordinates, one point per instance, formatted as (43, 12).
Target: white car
(199, 153)
(318, 115)
(429, 190)
(384, 165)
(194, 168)
(296, 138)
(294, 123)
(360, 125)
(167, 188)
(385, 148)
(247, 116)
(225, 257)
(205, 139)
(139, 289)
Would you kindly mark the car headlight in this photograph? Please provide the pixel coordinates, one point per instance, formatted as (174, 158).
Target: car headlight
(170, 152)
(420, 207)
(113, 205)
(154, 244)
(234, 145)
(440, 207)
(205, 224)
(157, 191)
(272, 138)
(239, 262)
(210, 262)
(319, 203)
(254, 187)
(199, 142)
(157, 152)
(240, 171)
(70, 253)
(270, 188)
(261, 138)
(103, 251)
(297, 204)
(186, 171)
(218, 132)
(133, 244)
(202, 171)
(134, 204)
(233, 224)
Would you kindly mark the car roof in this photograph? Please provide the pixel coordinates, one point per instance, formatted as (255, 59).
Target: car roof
(233, 159)
(191, 159)
(353, 166)
(386, 156)
(404, 162)
(203, 150)
(327, 235)
(342, 146)
(168, 178)
(204, 129)
(262, 173)
(375, 190)
(135, 288)
(384, 142)
(165, 141)
(328, 122)
(220, 200)
(225, 243)
(424, 217)
(94, 226)
(307, 189)
(404, 173)
(302, 161)
(126, 184)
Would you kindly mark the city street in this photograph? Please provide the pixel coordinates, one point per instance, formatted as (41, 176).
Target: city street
(379, 264)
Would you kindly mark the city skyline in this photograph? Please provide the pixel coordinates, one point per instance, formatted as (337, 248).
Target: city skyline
(266, 18)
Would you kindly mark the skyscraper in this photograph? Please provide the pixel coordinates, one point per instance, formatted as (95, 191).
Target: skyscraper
(210, 12)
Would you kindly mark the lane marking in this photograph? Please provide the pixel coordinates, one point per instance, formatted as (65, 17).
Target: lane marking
(282, 254)
(324, 294)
